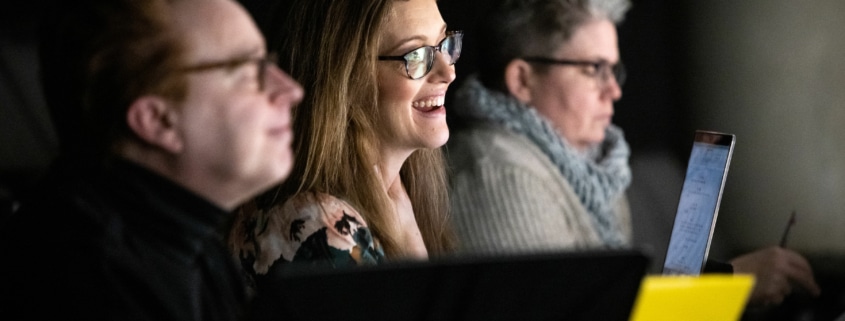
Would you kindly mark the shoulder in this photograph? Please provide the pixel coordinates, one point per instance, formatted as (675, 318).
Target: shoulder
(309, 227)
(322, 207)
(484, 144)
(482, 136)
(489, 156)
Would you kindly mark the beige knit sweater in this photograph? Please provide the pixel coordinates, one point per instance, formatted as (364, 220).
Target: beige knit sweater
(508, 197)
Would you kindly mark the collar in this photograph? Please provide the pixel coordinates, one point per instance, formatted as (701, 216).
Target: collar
(155, 204)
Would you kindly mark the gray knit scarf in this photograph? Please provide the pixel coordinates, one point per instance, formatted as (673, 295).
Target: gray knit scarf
(599, 176)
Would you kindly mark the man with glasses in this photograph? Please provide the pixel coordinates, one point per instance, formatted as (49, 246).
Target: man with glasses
(170, 115)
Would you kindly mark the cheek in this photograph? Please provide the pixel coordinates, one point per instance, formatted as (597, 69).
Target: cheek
(395, 96)
(250, 147)
(566, 111)
(573, 100)
(198, 121)
(204, 110)
(560, 105)
(247, 123)
(226, 125)
(396, 90)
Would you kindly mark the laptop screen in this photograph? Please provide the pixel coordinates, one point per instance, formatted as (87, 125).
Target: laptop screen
(555, 286)
(698, 206)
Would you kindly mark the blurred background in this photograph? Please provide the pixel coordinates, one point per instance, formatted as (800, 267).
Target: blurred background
(769, 71)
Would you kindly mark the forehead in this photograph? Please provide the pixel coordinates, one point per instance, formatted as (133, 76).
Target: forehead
(215, 29)
(409, 18)
(594, 39)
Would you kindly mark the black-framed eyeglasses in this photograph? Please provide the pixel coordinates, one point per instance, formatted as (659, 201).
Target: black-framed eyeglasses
(262, 62)
(601, 69)
(418, 62)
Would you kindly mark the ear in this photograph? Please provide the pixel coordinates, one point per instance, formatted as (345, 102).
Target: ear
(518, 79)
(153, 120)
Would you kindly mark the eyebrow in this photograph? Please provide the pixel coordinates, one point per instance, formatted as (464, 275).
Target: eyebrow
(239, 55)
(412, 38)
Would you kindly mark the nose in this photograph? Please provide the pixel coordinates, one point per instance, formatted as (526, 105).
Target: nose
(442, 71)
(282, 88)
(611, 87)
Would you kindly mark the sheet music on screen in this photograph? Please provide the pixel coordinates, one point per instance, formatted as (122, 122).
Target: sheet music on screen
(696, 209)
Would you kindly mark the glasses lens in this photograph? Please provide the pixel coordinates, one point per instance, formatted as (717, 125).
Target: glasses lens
(418, 62)
(263, 65)
(452, 47)
(618, 71)
(262, 72)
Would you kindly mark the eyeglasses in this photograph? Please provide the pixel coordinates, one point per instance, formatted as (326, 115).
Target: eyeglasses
(418, 62)
(230, 64)
(600, 69)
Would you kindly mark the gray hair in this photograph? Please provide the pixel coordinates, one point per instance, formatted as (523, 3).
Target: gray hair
(613, 10)
(516, 28)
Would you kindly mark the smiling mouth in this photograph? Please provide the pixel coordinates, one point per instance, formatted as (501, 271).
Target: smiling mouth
(430, 104)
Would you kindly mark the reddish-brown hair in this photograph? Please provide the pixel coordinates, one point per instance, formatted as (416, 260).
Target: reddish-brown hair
(97, 57)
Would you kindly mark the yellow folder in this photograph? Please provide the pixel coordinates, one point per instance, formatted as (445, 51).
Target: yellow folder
(716, 297)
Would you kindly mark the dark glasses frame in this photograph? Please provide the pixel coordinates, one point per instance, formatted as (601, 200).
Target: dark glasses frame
(230, 64)
(617, 70)
(455, 38)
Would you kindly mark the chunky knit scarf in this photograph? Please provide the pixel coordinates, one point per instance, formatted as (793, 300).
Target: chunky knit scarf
(599, 176)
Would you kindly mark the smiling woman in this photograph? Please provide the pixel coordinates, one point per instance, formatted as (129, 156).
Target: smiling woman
(368, 183)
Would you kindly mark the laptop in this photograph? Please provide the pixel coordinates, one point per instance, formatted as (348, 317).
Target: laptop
(698, 207)
(597, 285)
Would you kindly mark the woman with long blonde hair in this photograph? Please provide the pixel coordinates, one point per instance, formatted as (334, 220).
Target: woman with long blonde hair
(369, 181)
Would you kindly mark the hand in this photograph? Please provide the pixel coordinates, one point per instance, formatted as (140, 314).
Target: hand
(776, 271)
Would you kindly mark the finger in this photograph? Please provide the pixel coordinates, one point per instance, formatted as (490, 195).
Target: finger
(780, 289)
(797, 261)
(770, 288)
(800, 272)
(806, 281)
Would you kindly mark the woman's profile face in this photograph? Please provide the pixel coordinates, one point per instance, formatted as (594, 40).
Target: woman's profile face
(578, 100)
(411, 112)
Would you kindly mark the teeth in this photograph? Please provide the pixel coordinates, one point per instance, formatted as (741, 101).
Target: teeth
(438, 101)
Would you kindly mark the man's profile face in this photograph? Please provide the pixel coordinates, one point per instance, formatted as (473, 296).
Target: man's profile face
(234, 123)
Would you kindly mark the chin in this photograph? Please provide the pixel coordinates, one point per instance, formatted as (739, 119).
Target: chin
(274, 173)
(438, 139)
(286, 172)
(285, 167)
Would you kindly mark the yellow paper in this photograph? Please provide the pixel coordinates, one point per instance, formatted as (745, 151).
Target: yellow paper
(714, 297)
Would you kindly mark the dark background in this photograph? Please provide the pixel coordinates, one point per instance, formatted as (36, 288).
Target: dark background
(660, 109)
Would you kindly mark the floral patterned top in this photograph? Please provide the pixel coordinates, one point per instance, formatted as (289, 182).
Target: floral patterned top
(310, 228)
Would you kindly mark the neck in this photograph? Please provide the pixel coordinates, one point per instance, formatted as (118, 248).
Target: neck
(390, 164)
(193, 179)
(409, 232)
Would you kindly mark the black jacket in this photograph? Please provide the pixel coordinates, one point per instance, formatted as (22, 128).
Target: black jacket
(123, 244)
